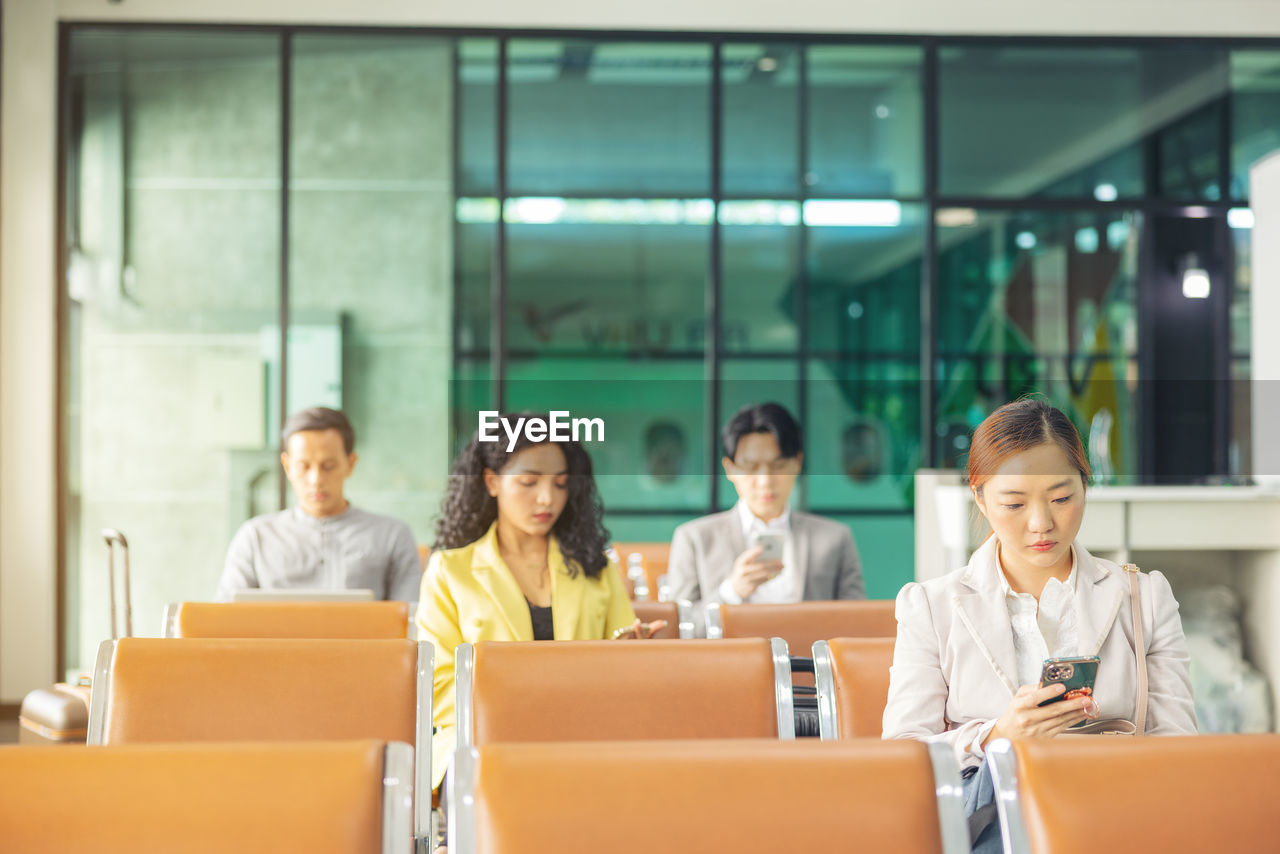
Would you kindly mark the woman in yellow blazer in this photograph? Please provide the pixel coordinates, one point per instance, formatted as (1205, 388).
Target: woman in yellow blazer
(520, 556)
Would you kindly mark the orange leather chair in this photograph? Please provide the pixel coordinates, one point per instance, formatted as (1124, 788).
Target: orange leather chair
(1174, 795)
(679, 617)
(802, 623)
(873, 797)
(852, 676)
(322, 798)
(163, 690)
(654, 558)
(362, 620)
(603, 690)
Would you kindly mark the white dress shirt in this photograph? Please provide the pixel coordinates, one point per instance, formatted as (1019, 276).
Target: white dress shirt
(787, 585)
(1043, 629)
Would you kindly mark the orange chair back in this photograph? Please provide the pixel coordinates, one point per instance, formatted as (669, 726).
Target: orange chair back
(669, 611)
(1172, 795)
(740, 796)
(654, 557)
(603, 690)
(362, 620)
(270, 689)
(861, 670)
(199, 799)
(802, 623)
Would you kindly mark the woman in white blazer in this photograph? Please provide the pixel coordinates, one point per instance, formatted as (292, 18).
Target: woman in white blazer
(970, 644)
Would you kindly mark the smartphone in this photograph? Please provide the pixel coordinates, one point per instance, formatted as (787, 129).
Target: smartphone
(1077, 674)
(770, 543)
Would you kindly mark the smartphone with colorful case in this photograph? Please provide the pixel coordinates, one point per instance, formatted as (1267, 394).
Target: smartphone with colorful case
(1077, 674)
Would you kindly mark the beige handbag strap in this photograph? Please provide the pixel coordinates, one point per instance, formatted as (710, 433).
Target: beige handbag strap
(1140, 645)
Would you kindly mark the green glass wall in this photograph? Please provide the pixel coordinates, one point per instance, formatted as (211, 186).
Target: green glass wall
(890, 236)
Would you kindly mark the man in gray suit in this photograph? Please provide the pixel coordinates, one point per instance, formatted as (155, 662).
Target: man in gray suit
(721, 557)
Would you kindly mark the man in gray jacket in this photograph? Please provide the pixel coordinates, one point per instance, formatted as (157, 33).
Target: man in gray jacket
(324, 542)
(724, 557)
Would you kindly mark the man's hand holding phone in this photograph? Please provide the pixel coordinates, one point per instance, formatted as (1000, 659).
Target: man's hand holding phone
(759, 563)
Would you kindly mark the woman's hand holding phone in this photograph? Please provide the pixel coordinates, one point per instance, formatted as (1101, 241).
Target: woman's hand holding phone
(1025, 717)
(640, 630)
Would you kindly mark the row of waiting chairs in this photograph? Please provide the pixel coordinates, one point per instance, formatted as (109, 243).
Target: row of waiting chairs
(852, 673)
(1173, 795)
(800, 624)
(187, 701)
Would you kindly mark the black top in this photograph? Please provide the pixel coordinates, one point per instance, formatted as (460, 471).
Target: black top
(542, 628)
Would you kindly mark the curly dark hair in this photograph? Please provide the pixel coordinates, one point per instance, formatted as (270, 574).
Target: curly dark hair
(468, 509)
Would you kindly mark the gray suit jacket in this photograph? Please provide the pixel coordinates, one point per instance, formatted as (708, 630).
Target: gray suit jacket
(703, 552)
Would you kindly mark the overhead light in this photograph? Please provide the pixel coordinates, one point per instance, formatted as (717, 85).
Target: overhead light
(873, 213)
(1240, 218)
(1117, 234)
(882, 112)
(767, 64)
(1025, 240)
(1106, 192)
(955, 217)
(1195, 279)
(538, 210)
(1087, 240)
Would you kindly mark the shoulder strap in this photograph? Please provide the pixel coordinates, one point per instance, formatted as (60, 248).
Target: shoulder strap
(1140, 646)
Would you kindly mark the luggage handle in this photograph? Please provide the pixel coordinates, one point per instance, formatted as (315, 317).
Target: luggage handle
(112, 536)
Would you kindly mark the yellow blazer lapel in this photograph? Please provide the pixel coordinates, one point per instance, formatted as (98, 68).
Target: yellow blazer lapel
(986, 617)
(566, 593)
(492, 574)
(1096, 611)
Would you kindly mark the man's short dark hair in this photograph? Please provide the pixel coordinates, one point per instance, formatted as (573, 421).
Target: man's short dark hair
(319, 418)
(770, 418)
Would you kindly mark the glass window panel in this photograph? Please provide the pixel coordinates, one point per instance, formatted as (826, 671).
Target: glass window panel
(864, 285)
(624, 528)
(604, 118)
(1255, 112)
(862, 432)
(477, 117)
(371, 267)
(747, 381)
(1018, 121)
(886, 544)
(1190, 155)
(587, 281)
(761, 129)
(470, 392)
(1240, 447)
(654, 452)
(1242, 284)
(1039, 301)
(865, 125)
(476, 248)
(173, 224)
(758, 274)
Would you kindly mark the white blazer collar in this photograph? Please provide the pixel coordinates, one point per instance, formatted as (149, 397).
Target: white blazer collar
(1096, 608)
(985, 615)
